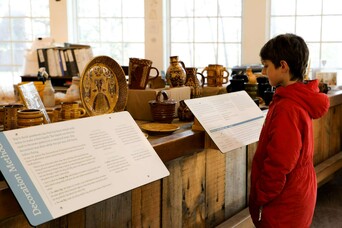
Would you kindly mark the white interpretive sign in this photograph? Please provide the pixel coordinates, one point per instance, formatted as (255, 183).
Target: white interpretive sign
(58, 168)
(231, 120)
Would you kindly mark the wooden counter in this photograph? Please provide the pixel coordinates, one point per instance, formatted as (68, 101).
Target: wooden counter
(204, 189)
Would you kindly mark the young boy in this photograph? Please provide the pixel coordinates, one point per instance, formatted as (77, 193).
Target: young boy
(283, 179)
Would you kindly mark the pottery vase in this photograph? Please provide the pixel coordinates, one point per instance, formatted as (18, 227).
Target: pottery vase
(175, 74)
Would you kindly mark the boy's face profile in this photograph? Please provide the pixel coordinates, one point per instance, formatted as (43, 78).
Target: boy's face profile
(290, 53)
(276, 76)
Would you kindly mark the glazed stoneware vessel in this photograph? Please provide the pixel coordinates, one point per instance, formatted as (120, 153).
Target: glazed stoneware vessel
(175, 74)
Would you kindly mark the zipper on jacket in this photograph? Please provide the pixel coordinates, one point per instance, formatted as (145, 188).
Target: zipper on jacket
(260, 213)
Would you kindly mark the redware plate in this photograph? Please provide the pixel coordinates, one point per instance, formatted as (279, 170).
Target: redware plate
(159, 127)
(103, 86)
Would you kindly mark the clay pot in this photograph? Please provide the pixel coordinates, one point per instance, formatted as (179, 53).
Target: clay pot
(163, 111)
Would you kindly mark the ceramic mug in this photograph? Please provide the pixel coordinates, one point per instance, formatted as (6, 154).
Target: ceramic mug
(10, 115)
(53, 114)
(29, 117)
(71, 110)
(236, 85)
(217, 75)
(324, 87)
(139, 73)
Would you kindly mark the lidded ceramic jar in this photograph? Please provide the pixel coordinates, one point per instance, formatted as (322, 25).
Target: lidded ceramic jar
(175, 73)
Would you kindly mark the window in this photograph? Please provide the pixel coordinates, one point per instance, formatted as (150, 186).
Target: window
(21, 22)
(314, 20)
(113, 28)
(203, 32)
(116, 29)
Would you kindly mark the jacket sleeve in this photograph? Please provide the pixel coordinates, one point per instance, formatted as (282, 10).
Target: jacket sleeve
(283, 150)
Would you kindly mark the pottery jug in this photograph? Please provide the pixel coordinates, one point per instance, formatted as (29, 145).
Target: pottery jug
(175, 74)
(216, 75)
(193, 82)
(48, 94)
(184, 113)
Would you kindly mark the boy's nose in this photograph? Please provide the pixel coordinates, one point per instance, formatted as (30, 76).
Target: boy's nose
(263, 71)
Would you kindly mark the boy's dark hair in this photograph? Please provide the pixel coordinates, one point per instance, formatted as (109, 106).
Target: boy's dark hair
(290, 48)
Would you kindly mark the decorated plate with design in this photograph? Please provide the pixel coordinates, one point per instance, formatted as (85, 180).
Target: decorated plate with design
(103, 86)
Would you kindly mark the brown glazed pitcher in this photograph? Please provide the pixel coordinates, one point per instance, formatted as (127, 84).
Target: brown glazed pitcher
(139, 73)
(216, 75)
(193, 82)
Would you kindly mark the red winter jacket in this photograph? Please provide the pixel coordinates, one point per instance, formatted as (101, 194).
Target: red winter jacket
(283, 179)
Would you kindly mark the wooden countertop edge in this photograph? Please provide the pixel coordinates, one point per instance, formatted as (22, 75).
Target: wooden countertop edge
(168, 148)
(335, 98)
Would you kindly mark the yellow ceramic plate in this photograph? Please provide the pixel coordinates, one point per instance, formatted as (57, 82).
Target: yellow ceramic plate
(103, 86)
(159, 127)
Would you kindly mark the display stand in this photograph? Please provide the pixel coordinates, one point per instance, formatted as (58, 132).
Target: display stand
(231, 120)
(58, 168)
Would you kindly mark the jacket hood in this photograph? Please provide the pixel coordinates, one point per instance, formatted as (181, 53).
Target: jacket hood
(306, 95)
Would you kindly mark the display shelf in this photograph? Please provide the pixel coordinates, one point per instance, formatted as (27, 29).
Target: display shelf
(56, 81)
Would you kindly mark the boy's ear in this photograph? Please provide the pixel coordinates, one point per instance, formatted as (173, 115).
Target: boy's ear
(283, 65)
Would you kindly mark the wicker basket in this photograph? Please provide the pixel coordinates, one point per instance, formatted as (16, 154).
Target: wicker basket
(163, 111)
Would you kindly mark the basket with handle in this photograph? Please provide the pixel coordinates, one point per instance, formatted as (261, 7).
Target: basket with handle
(163, 111)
